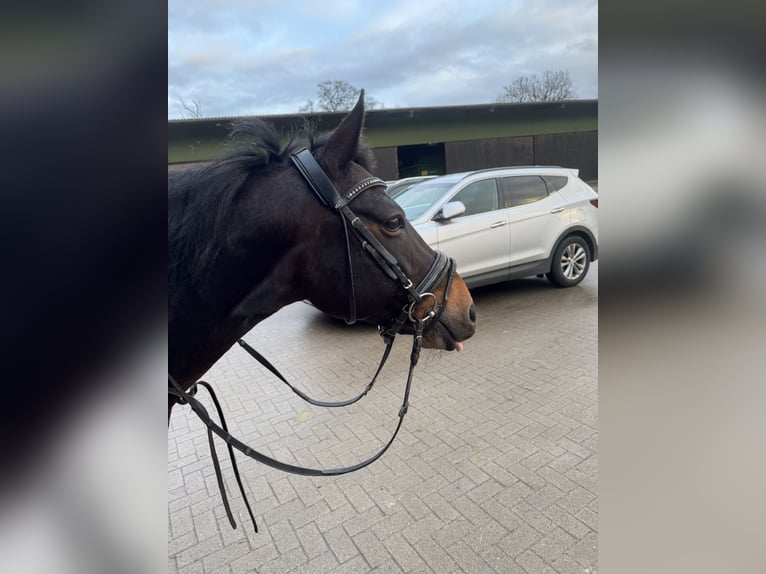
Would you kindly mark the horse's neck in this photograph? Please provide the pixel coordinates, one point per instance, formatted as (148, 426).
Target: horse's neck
(250, 280)
(198, 355)
(205, 335)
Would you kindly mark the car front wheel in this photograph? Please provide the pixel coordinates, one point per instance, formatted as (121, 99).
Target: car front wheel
(570, 262)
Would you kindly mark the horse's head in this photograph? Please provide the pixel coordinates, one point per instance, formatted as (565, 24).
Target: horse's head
(343, 278)
(248, 235)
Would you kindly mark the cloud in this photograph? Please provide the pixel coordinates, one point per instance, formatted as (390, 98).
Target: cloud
(269, 59)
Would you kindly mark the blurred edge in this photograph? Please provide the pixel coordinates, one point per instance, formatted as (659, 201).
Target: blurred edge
(82, 112)
(682, 383)
(82, 284)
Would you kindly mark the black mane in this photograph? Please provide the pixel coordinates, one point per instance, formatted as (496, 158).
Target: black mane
(199, 199)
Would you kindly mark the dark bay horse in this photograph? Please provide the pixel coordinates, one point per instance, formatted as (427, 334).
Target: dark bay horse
(247, 236)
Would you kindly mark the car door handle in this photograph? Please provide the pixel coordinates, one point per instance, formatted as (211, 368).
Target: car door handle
(557, 209)
(498, 224)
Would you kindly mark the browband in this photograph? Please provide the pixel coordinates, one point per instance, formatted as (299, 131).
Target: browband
(322, 186)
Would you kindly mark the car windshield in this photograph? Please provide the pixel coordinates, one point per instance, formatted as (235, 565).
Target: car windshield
(416, 200)
(400, 187)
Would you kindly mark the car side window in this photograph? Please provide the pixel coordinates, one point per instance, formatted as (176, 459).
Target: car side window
(523, 189)
(555, 182)
(478, 197)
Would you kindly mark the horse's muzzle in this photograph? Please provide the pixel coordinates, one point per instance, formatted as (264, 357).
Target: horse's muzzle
(457, 321)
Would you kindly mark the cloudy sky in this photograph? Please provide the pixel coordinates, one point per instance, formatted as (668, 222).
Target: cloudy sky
(260, 57)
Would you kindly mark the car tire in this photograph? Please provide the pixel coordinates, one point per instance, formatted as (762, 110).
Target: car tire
(570, 262)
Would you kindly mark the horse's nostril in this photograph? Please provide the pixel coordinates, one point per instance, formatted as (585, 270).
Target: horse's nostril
(472, 313)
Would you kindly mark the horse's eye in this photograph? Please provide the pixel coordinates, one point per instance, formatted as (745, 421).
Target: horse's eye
(394, 224)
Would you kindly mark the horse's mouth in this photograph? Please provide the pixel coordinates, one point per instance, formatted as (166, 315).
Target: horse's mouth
(442, 337)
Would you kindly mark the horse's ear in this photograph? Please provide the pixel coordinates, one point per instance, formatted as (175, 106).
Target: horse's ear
(342, 145)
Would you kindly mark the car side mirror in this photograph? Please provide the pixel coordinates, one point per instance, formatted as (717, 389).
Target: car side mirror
(450, 210)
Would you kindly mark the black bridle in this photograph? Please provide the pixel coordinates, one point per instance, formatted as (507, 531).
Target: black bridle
(441, 267)
(325, 190)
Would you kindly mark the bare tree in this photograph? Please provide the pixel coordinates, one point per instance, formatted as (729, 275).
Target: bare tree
(554, 86)
(337, 96)
(308, 108)
(194, 110)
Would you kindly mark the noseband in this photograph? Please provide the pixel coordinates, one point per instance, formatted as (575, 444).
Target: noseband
(441, 266)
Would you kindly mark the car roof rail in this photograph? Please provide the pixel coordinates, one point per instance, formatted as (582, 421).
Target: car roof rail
(512, 167)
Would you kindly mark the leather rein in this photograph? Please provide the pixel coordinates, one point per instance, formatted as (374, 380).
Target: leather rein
(442, 266)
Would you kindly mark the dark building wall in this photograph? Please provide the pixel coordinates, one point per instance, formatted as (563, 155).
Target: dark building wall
(386, 160)
(495, 152)
(578, 150)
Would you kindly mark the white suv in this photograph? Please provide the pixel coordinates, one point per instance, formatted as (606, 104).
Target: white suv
(506, 223)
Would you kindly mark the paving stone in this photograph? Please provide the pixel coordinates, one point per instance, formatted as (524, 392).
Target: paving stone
(388, 567)
(571, 524)
(249, 563)
(450, 533)
(336, 517)
(312, 541)
(332, 495)
(466, 559)
(358, 498)
(502, 513)
(514, 494)
(435, 556)
(532, 516)
(341, 544)
(392, 525)
(422, 528)
(291, 560)
(498, 561)
(566, 565)
(225, 556)
(587, 516)
(556, 478)
(371, 548)
(283, 490)
(533, 564)
(443, 509)
(179, 543)
(554, 544)
(206, 524)
(356, 565)
(586, 551)
(576, 500)
(181, 522)
(544, 497)
(197, 551)
(520, 540)
(472, 511)
(486, 535)
(404, 554)
(364, 521)
(319, 565)
(284, 536)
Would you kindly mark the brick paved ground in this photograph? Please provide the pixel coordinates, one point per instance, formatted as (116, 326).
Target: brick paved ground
(495, 469)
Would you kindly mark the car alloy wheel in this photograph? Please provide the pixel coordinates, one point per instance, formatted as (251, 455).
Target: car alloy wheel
(570, 262)
(573, 260)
